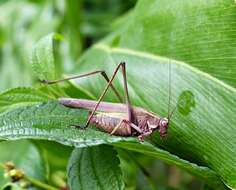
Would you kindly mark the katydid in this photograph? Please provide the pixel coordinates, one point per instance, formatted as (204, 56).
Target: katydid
(117, 118)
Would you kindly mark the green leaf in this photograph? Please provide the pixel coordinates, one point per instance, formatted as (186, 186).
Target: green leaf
(95, 168)
(51, 121)
(200, 33)
(129, 169)
(45, 63)
(57, 155)
(26, 156)
(204, 141)
(21, 97)
(42, 58)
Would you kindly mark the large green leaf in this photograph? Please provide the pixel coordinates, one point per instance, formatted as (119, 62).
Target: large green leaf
(51, 121)
(205, 141)
(95, 168)
(198, 32)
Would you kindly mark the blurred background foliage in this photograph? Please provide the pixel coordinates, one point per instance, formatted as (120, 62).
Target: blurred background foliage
(82, 23)
(23, 23)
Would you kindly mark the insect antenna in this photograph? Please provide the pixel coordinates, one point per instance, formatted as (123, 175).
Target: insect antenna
(169, 101)
(169, 115)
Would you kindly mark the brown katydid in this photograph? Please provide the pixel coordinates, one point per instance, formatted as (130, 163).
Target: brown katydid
(117, 118)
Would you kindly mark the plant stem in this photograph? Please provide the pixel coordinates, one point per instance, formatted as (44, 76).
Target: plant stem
(39, 184)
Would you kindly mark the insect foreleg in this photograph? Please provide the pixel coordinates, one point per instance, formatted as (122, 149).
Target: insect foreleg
(141, 137)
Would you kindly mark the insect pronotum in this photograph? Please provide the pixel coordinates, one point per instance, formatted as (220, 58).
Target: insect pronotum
(117, 118)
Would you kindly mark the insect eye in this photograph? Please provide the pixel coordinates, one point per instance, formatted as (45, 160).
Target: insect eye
(164, 122)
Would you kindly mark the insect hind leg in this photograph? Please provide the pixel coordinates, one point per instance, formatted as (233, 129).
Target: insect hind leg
(129, 108)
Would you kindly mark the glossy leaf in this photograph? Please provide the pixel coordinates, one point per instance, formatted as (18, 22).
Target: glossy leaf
(42, 58)
(21, 97)
(95, 168)
(197, 95)
(51, 121)
(200, 33)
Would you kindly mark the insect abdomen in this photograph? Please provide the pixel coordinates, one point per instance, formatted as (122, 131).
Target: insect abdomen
(107, 124)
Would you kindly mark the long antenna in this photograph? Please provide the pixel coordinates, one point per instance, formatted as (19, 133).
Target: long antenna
(170, 113)
(169, 64)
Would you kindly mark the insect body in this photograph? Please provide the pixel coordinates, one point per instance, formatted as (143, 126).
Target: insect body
(117, 118)
(115, 121)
